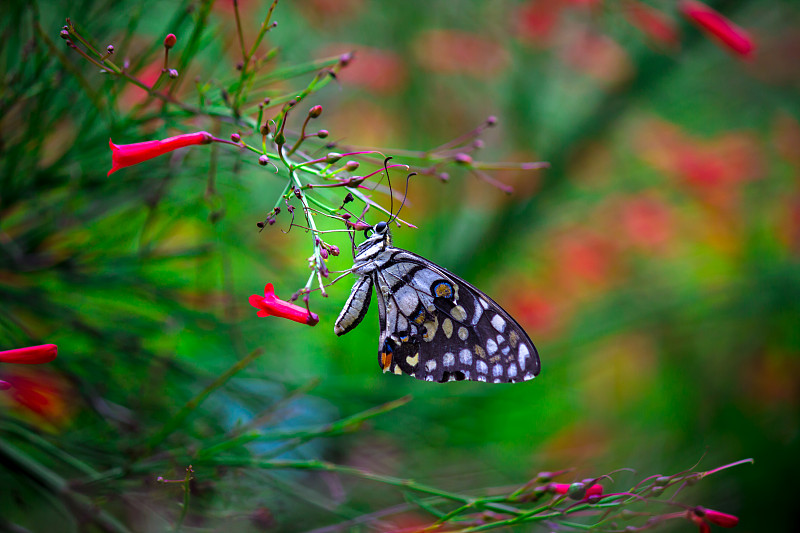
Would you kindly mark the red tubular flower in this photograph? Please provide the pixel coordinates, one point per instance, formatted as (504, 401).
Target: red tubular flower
(271, 305)
(721, 519)
(32, 355)
(126, 155)
(717, 25)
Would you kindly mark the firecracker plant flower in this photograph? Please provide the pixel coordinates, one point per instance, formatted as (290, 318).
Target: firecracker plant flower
(31, 355)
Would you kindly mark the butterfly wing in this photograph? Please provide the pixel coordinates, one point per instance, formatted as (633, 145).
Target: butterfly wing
(437, 327)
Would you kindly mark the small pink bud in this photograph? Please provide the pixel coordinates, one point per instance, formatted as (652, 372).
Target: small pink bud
(322, 134)
(351, 166)
(477, 144)
(345, 59)
(346, 216)
(463, 159)
(333, 157)
(315, 111)
(324, 253)
(491, 121)
(64, 34)
(334, 250)
(235, 137)
(170, 40)
(172, 73)
(110, 48)
(263, 160)
(267, 101)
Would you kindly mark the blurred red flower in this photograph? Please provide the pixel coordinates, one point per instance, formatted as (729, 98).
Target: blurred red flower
(656, 25)
(39, 394)
(599, 57)
(713, 168)
(718, 26)
(646, 221)
(271, 305)
(458, 52)
(125, 155)
(32, 355)
(536, 21)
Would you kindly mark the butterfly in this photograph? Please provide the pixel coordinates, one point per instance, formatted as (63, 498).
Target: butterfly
(434, 326)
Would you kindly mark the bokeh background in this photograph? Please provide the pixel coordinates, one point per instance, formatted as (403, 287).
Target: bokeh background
(655, 264)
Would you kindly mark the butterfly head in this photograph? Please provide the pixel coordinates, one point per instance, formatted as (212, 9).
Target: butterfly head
(378, 237)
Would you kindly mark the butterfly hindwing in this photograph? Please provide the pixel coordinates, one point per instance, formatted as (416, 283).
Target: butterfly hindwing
(437, 327)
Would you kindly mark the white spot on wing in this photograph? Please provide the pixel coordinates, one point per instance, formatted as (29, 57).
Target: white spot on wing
(481, 367)
(428, 378)
(482, 378)
(430, 365)
(523, 355)
(448, 359)
(463, 333)
(512, 370)
(497, 370)
(528, 376)
(478, 313)
(506, 349)
(499, 323)
(465, 356)
(491, 347)
(484, 303)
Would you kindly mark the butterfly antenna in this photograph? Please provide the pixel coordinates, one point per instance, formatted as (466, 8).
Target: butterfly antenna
(391, 193)
(405, 195)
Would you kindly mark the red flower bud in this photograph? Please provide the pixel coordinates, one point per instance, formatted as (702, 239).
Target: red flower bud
(315, 111)
(170, 40)
(270, 305)
(718, 26)
(126, 155)
(32, 355)
(322, 134)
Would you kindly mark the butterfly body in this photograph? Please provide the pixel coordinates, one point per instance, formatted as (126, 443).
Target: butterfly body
(434, 326)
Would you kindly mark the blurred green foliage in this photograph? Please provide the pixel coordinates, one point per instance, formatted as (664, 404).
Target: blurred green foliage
(655, 265)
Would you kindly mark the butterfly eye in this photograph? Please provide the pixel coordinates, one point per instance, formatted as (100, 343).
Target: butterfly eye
(380, 227)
